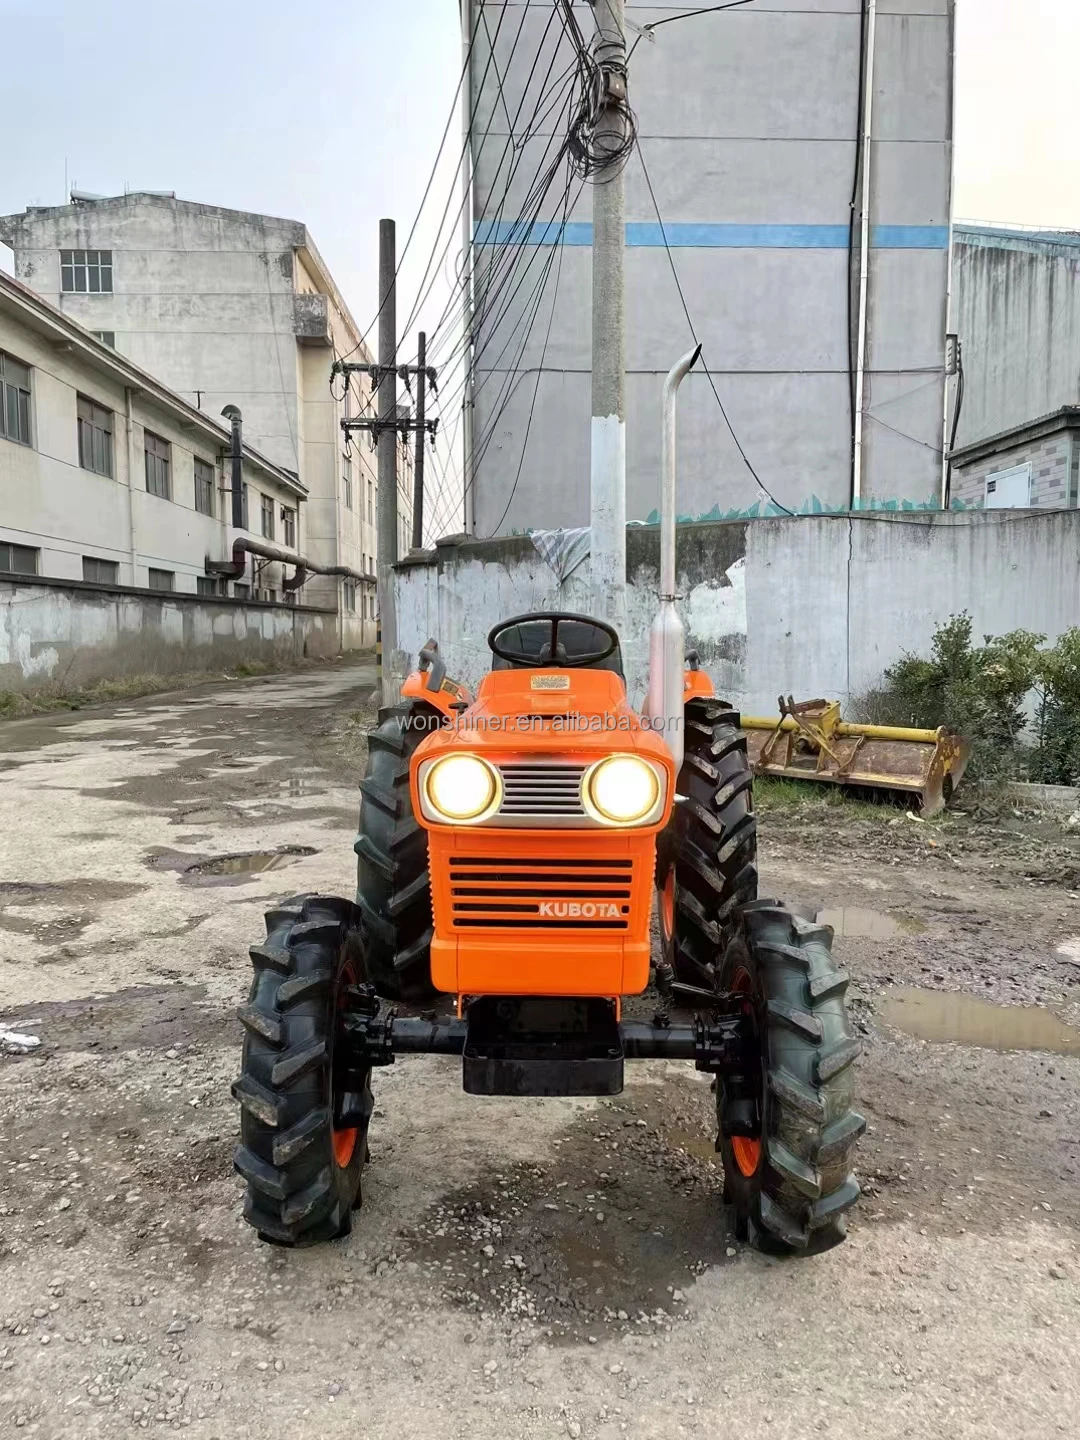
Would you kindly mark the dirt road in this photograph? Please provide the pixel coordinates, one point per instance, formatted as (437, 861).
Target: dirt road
(532, 1268)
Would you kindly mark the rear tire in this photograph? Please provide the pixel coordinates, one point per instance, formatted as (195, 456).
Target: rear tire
(302, 1169)
(393, 887)
(787, 1131)
(708, 857)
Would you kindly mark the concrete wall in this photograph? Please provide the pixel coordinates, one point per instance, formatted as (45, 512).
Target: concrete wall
(1016, 312)
(808, 606)
(65, 634)
(748, 123)
(51, 504)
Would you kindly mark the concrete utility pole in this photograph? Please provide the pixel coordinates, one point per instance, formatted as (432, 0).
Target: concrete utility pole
(390, 669)
(418, 468)
(608, 435)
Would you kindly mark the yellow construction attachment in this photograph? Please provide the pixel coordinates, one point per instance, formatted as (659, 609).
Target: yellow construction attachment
(809, 741)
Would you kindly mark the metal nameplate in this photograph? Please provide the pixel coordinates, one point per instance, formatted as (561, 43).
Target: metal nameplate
(550, 682)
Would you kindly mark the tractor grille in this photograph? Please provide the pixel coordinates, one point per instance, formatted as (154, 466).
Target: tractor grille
(527, 893)
(534, 790)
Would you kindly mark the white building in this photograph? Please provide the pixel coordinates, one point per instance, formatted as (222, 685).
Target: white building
(109, 478)
(228, 307)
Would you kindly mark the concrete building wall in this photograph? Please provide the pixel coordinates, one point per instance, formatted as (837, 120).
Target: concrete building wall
(748, 123)
(1015, 310)
(811, 605)
(52, 505)
(228, 307)
(63, 634)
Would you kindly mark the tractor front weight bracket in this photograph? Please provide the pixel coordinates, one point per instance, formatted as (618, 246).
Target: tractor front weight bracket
(540, 1045)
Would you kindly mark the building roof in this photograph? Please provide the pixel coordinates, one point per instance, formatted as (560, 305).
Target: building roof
(26, 305)
(1066, 418)
(294, 233)
(1015, 237)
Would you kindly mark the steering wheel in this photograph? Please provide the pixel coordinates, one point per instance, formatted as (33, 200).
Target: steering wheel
(551, 653)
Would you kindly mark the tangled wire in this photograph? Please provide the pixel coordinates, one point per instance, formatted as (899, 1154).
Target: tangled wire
(602, 130)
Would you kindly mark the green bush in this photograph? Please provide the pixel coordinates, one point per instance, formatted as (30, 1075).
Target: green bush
(980, 692)
(1056, 759)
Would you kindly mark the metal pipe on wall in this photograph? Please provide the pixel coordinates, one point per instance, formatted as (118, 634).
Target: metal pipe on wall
(866, 145)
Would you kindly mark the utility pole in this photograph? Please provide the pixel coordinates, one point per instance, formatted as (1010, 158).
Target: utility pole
(390, 670)
(418, 469)
(608, 432)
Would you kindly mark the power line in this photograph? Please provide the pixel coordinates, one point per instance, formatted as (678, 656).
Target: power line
(693, 332)
(536, 387)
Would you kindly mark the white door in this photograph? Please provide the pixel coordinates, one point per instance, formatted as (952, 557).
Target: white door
(1009, 489)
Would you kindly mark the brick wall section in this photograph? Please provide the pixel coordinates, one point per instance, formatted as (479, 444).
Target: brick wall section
(1052, 485)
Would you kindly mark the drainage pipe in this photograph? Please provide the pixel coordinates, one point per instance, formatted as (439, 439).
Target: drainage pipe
(866, 145)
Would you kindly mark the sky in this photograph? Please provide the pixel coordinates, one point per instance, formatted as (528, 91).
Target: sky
(332, 112)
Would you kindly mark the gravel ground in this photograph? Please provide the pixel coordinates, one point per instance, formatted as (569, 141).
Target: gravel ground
(520, 1267)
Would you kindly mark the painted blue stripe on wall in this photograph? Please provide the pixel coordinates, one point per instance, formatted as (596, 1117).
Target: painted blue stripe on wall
(643, 234)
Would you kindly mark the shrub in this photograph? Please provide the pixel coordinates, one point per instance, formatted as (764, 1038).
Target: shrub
(978, 691)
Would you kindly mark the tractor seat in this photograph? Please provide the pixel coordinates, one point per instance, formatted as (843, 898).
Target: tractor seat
(526, 644)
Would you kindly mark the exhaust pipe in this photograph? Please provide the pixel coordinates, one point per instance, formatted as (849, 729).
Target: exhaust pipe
(667, 637)
(236, 454)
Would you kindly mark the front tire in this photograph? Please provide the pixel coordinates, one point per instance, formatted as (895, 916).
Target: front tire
(787, 1128)
(303, 1117)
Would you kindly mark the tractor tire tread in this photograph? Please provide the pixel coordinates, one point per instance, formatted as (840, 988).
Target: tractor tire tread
(797, 1201)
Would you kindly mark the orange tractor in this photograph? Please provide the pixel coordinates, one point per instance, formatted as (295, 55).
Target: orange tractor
(509, 850)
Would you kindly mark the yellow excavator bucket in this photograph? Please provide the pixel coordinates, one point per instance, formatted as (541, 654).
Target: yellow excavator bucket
(810, 741)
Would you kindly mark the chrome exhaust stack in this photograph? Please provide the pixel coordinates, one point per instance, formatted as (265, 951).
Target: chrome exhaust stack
(667, 636)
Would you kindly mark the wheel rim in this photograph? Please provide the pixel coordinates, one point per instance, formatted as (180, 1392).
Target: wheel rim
(745, 1148)
(667, 904)
(344, 1140)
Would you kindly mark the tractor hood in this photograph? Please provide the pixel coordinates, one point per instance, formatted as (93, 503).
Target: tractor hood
(550, 713)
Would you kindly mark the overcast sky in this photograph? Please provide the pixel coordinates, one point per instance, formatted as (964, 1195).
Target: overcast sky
(331, 112)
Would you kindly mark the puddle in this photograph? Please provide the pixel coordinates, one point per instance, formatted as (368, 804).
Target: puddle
(855, 923)
(140, 1017)
(966, 1020)
(253, 862)
(299, 786)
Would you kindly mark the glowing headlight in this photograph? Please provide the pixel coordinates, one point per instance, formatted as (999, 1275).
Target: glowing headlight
(460, 787)
(623, 789)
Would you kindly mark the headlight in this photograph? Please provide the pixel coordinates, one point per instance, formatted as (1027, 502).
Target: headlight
(623, 790)
(461, 787)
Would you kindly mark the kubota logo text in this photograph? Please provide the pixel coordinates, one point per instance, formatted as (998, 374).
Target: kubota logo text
(578, 910)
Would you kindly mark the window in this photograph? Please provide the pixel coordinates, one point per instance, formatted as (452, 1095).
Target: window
(86, 272)
(349, 594)
(241, 591)
(370, 503)
(18, 559)
(156, 452)
(346, 479)
(209, 585)
(95, 437)
(267, 517)
(162, 579)
(100, 572)
(243, 507)
(14, 399)
(288, 521)
(204, 487)
(107, 337)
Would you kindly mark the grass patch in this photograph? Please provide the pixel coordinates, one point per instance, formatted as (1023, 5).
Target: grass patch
(780, 794)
